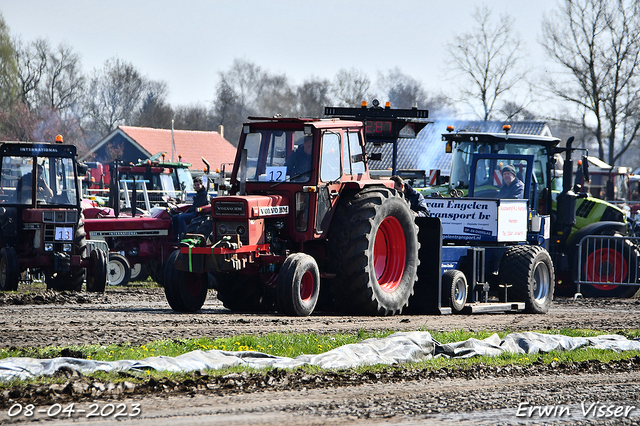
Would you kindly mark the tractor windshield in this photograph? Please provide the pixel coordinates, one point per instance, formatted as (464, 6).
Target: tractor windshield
(270, 156)
(463, 153)
(50, 180)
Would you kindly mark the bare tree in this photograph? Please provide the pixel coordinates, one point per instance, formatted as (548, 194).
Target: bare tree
(597, 45)
(404, 91)
(488, 57)
(313, 95)
(351, 87)
(193, 117)
(8, 67)
(115, 93)
(32, 64)
(154, 112)
(64, 82)
(247, 90)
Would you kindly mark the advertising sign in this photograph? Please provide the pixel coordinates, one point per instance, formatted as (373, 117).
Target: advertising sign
(480, 219)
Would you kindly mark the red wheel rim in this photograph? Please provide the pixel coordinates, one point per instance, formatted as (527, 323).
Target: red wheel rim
(606, 265)
(307, 285)
(389, 254)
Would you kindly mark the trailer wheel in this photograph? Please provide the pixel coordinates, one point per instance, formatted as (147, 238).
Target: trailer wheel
(139, 272)
(454, 290)
(610, 264)
(9, 273)
(185, 291)
(97, 278)
(118, 271)
(374, 251)
(527, 271)
(298, 285)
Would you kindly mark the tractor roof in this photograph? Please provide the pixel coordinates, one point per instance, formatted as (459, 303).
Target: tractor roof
(479, 137)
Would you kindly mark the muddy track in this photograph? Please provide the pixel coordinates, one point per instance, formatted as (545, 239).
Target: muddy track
(141, 314)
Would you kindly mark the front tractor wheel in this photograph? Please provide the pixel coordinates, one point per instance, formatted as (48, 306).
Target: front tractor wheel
(298, 285)
(119, 271)
(527, 273)
(374, 250)
(9, 273)
(97, 274)
(185, 291)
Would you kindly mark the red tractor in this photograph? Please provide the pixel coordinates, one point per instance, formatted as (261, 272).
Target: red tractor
(41, 222)
(288, 226)
(139, 245)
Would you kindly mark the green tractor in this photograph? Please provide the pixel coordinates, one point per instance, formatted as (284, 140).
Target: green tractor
(593, 250)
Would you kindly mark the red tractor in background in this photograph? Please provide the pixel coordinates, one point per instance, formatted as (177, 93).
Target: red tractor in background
(41, 224)
(140, 240)
(285, 228)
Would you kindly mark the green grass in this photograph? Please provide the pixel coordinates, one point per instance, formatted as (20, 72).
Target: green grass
(292, 345)
(289, 345)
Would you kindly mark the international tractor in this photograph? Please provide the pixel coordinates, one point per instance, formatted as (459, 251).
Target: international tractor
(592, 248)
(294, 237)
(41, 222)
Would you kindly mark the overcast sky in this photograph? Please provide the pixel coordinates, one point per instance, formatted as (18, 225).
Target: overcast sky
(186, 43)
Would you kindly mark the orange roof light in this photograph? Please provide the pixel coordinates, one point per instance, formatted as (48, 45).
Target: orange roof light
(59, 139)
(387, 104)
(449, 128)
(364, 104)
(506, 128)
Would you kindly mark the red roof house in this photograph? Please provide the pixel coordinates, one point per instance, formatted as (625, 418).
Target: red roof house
(132, 144)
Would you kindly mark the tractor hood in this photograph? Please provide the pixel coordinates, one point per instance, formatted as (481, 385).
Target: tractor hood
(251, 206)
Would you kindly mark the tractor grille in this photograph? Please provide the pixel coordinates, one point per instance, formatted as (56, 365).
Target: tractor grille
(62, 216)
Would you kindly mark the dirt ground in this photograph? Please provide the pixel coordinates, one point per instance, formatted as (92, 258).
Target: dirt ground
(483, 395)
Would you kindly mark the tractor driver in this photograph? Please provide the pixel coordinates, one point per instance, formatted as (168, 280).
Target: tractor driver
(417, 201)
(513, 187)
(26, 183)
(299, 161)
(181, 220)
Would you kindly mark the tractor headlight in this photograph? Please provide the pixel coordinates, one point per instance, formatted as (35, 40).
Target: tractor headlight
(66, 247)
(222, 229)
(240, 230)
(48, 247)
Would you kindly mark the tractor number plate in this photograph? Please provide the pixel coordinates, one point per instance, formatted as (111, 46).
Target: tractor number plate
(64, 233)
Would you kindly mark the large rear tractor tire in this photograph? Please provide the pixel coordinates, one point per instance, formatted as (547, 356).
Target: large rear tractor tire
(118, 271)
(298, 285)
(185, 291)
(527, 272)
(97, 276)
(9, 273)
(610, 263)
(454, 290)
(373, 247)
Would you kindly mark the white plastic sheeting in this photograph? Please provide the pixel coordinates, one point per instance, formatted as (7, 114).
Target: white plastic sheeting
(397, 348)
